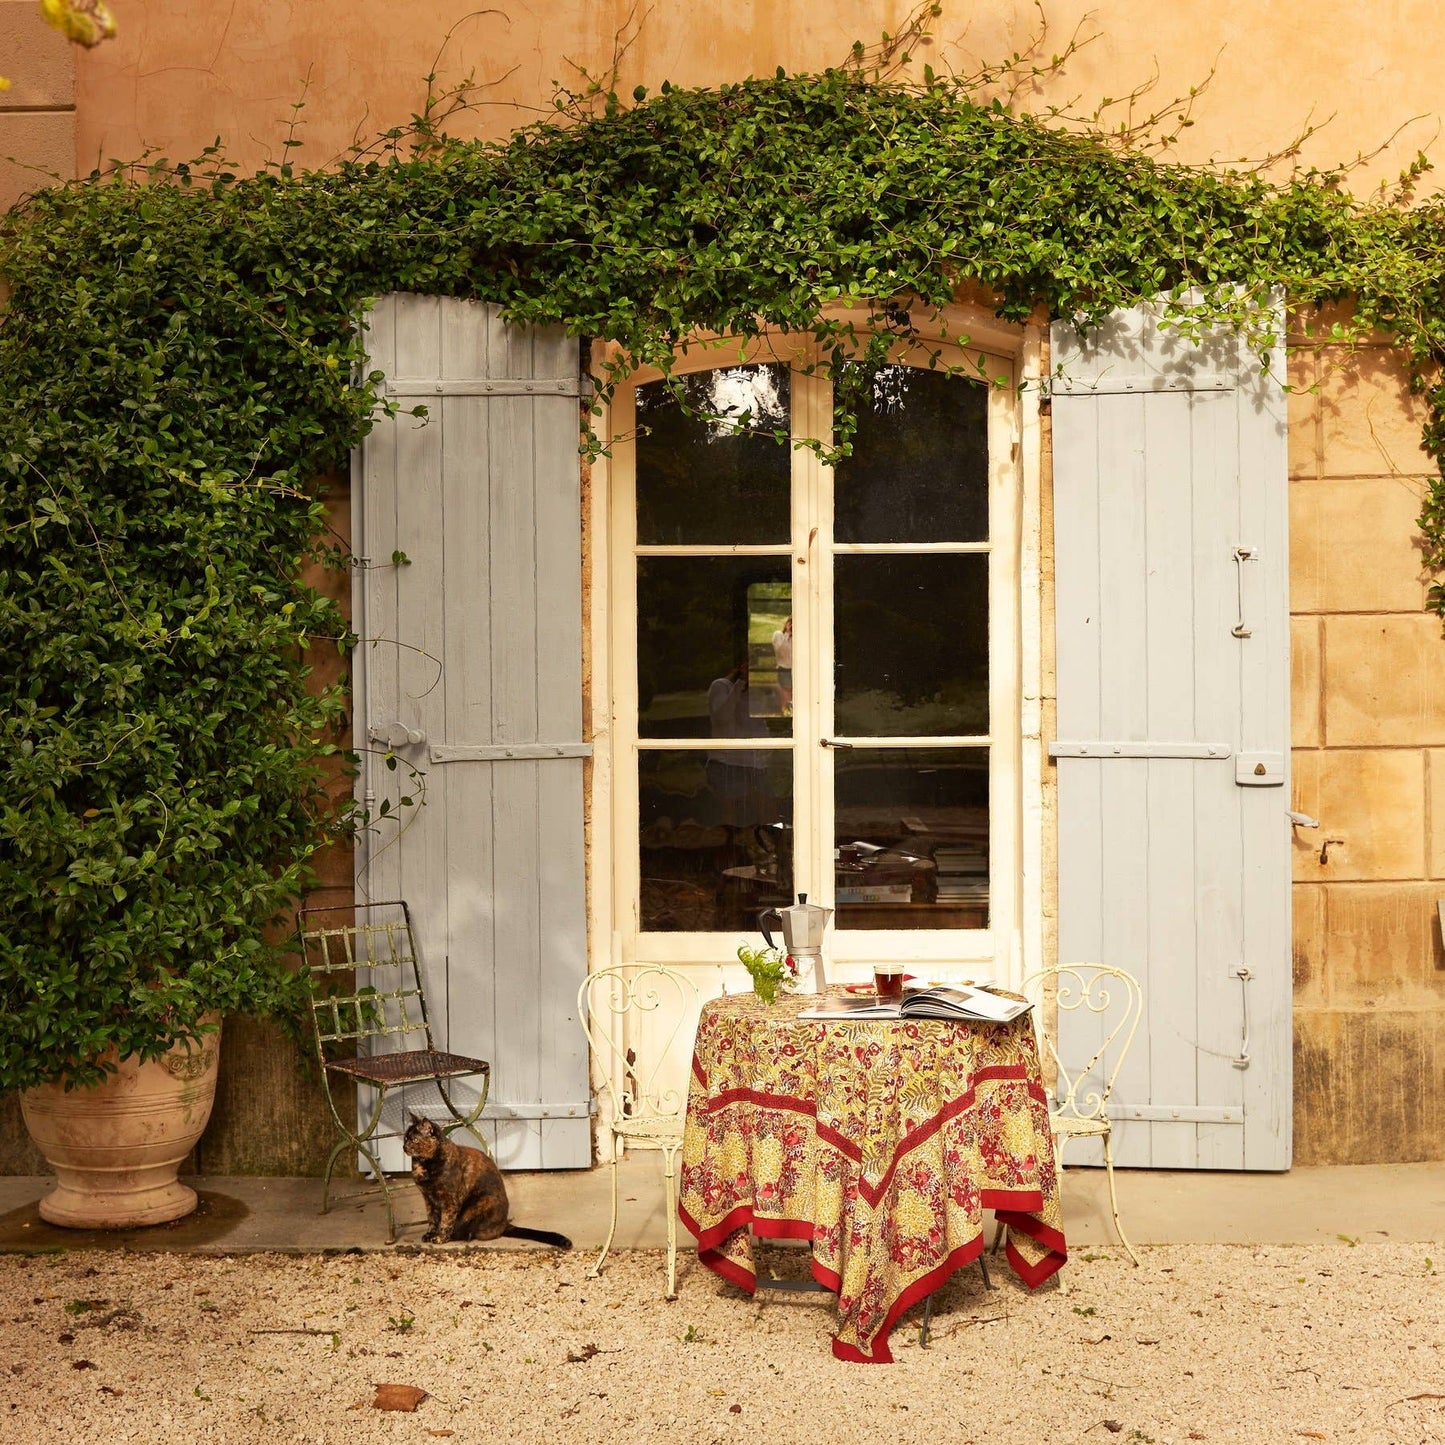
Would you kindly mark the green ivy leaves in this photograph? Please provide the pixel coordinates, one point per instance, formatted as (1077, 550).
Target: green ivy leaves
(181, 365)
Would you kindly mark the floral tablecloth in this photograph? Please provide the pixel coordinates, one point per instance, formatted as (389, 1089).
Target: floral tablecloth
(881, 1142)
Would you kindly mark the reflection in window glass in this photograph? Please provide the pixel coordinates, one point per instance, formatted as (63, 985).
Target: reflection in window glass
(716, 838)
(708, 634)
(911, 843)
(911, 656)
(719, 475)
(919, 469)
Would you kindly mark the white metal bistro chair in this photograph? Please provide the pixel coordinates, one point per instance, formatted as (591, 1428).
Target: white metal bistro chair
(645, 1111)
(1079, 1094)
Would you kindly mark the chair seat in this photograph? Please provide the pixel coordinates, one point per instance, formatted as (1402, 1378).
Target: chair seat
(1074, 1127)
(412, 1066)
(642, 1129)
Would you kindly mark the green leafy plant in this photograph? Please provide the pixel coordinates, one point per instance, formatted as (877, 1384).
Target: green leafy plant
(769, 968)
(183, 365)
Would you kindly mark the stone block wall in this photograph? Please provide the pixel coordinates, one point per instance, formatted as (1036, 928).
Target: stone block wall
(37, 113)
(1368, 697)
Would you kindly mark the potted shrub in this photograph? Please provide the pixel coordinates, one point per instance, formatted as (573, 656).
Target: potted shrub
(160, 803)
(145, 856)
(163, 750)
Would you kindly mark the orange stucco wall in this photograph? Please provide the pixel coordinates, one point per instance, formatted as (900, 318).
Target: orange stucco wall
(1369, 663)
(183, 72)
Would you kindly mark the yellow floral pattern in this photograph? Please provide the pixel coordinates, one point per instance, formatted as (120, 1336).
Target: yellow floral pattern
(881, 1142)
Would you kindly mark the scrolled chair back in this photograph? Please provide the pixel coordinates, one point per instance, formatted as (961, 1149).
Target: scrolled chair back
(633, 1015)
(1084, 1074)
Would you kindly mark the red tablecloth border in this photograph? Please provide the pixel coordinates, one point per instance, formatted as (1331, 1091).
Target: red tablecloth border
(1008, 1206)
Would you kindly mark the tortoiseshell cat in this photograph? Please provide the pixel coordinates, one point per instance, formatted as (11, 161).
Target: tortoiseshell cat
(463, 1188)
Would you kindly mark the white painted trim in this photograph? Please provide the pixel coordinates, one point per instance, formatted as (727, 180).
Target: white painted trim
(1028, 956)
(1013, 942)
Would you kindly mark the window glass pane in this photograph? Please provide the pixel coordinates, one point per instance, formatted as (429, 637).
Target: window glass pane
(716, 838)
(704, 479)
(919, 469)
(911, 652)
(712, 636)
(911, 845)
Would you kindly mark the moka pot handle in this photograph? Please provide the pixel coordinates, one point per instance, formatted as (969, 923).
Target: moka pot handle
(763, 917)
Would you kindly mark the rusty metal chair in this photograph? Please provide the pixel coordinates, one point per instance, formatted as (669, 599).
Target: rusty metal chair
(370, 1027)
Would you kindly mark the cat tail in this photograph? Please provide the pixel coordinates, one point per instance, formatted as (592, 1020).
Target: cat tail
(541, 1236)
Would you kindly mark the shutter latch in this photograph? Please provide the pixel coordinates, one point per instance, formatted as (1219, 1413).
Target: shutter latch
(1243, 974)
(1241, 556)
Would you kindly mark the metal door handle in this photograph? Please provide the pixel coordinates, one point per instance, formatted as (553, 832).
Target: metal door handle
(833, 743)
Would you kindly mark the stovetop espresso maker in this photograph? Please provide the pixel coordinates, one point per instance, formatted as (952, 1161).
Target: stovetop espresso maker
(802, 924)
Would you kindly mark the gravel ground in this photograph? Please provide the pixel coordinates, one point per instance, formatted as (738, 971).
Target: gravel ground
(1218, 1343)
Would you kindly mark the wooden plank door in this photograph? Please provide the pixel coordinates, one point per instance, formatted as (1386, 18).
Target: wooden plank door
(469, 607)
(1172, 743)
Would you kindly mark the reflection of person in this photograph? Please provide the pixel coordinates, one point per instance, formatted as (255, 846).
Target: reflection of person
(738, 776)
(783, 651)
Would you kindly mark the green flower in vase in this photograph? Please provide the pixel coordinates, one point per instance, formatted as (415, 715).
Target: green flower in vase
(770, 970)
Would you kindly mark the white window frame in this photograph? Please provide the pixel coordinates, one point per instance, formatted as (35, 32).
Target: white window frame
(1012, 943)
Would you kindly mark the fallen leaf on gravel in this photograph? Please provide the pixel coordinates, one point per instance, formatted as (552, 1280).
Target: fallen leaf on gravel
(442, 1434)
(1425, 1397)
(1313, 1434)
(1113, 1426)
(398, 1397)
(580, 1357)
(111, 1390)
(65, 1339)
(81, 1365)
(1195, 1435)
(1140, 1340)
(735, 1409)
(1099, 1341)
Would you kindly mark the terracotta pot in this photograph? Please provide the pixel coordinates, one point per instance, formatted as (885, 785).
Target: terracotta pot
(116, 1148)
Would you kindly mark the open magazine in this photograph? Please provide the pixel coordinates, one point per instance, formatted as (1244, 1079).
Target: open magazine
(943, 1001)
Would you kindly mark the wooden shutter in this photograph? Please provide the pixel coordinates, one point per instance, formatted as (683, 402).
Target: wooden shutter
(1172, 743)
(471, 666)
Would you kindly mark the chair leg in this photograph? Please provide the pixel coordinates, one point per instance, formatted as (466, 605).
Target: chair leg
(611, 1228)
(341, 1147)
(359, 1141)
(669, 1174)
(1114, 1202)
(998, 1235)
(380, 1176)
(1058, 1142)
(468, 1120)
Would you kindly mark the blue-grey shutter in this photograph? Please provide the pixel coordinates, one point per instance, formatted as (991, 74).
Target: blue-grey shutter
(1172, 744)
(472, 648)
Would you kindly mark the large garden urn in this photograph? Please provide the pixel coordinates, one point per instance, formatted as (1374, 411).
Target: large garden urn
(117, 1147)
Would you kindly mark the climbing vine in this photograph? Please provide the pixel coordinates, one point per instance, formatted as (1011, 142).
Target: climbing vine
(182, 367)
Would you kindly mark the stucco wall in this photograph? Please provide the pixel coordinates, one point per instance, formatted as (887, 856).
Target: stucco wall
(1369, 686)
(182, 72)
